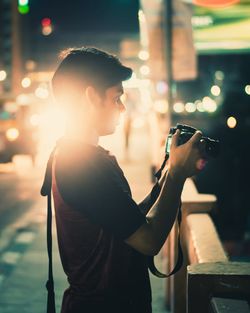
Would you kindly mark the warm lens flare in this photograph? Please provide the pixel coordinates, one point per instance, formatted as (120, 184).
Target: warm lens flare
(52, 124)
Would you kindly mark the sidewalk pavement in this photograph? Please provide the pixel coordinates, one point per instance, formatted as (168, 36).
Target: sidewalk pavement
(24, 262)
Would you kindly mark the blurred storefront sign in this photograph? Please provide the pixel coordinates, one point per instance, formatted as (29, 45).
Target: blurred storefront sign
(215, 3)
(152, 33)
(129, 48)
(183, 51)
(221, 29)
(184, 55)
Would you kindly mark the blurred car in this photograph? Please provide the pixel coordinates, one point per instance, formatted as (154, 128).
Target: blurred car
(17, 134)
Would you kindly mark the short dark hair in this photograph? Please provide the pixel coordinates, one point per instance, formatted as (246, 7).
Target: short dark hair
(85, 66)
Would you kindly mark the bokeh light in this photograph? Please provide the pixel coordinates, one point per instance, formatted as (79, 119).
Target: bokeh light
(190, 107)
(179, 107)
(231, 122)
(209, 104)
(42, 92)
(199, 106)
(161, 87)
(23, 99)
(26, 82)
(144, 70)
(47, 30)
(12, 134)
(247, 89)
(3, 75)
(215, 90)
(143, 55)
(219, 75)
(46, 26)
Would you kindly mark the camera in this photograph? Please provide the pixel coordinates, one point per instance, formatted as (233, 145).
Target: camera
(186, 132)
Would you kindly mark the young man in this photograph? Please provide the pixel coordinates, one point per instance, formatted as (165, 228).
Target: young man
(104, 236)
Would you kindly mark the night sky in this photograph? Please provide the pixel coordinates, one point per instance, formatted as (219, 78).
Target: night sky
(87, 15)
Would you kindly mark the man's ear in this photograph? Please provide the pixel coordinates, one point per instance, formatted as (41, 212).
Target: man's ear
(92, 96)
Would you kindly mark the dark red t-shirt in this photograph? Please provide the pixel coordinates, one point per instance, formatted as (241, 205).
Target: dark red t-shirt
(94, 214)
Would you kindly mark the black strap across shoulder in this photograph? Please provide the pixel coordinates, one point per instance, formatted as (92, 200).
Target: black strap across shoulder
(46, 191)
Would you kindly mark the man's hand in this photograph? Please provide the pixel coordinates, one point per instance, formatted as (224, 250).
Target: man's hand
(184, 159)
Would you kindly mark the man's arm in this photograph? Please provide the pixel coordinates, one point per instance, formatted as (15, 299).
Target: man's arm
(146, 204)
(150, 237)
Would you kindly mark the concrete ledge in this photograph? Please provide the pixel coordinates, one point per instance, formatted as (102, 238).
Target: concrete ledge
(222, 279)
(221, 268)
(202, 240)
(194, 202)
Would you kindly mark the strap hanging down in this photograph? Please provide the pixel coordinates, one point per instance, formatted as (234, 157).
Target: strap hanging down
(46, 191)
(179, 262)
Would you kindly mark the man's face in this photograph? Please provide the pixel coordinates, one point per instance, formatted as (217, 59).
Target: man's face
(111, 107)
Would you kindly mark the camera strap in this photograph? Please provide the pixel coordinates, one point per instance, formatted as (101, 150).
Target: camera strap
(46, 191)
(154, 194)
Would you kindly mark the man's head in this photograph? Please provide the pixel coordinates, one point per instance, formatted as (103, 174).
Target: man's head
(90, 79)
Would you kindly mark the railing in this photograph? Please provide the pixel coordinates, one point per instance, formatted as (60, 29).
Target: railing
(222, 305)
(206, 272)
(209, 285)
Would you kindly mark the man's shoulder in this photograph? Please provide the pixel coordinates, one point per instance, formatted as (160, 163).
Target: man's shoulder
(76, 161)
(73, 154)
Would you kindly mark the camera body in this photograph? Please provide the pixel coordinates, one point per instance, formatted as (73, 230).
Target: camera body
(186, 132)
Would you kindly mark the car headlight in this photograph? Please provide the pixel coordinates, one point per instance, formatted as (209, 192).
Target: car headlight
(12, 134)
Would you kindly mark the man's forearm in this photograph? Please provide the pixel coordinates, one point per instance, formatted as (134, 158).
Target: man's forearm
(162, 215)
(147, 202)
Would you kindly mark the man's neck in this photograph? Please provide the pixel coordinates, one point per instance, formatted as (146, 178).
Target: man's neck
(84, 135)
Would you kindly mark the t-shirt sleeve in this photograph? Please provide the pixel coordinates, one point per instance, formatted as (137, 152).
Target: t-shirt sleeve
(93, 188)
